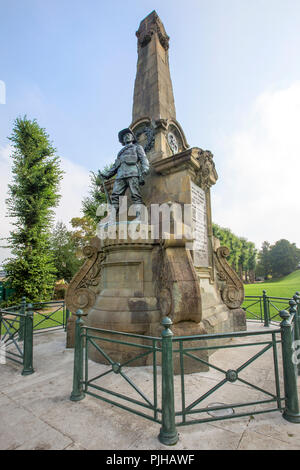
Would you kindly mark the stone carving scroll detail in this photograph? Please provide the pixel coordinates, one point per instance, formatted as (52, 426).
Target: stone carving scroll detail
(81, 291)
(233, 289)
(207, 174)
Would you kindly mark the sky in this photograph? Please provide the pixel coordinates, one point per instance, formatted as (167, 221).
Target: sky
(236, 78)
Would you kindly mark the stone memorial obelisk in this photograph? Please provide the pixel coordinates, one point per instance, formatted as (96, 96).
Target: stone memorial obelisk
(130, 284)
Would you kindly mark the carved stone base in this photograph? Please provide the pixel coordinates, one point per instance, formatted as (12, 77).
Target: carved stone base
(126, 300)
(238, 319)
(129, 285)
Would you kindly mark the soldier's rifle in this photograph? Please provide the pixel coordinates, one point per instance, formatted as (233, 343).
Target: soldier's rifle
(102, 183)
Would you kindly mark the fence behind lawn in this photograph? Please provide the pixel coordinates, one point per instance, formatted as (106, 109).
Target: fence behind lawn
(265, 308)
(18, 324)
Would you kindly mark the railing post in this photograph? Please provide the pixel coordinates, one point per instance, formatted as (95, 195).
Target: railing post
(291, 412)
(67, 318)
(22, 319)
(266, 309)
(28, 342)
(0, 324)
(297, 326)
(2, 347)
(168, 433)
(77, 392)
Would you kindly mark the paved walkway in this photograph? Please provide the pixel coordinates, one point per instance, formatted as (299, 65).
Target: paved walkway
(36, 412)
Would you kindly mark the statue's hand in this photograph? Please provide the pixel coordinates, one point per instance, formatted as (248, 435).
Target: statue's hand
(145, 171)
(98, 178)
(103, 175)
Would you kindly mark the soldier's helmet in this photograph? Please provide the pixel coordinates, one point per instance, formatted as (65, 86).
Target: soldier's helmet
(126, 131)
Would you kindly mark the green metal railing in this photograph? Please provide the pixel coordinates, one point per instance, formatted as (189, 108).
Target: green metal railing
(265, 309)
(229, 376)
(56, 317)
(46, 315)
(168, 346)
(18, 324)
(83, 384)
(16, 336)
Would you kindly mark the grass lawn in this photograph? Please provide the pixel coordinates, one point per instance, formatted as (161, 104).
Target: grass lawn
(39, 321)
(285, 287)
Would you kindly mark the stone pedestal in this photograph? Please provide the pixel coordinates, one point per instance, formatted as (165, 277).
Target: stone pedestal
(130, 285)
(127, 299)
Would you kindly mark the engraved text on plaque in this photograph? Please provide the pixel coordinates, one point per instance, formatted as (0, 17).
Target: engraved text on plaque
(199, 223)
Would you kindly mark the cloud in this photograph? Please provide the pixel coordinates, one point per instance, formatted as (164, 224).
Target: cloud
(257, 195)
(74, 187)
(5, 172)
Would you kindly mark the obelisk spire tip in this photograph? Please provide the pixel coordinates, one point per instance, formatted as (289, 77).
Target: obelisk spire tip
(153, 92)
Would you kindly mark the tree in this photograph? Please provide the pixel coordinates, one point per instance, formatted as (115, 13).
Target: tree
(279, 259)
(96, 197)
(84, 231)
(243, 253)
(71, 243)
(244, 258)
(252, 261)
(63, 248)
(264, 266)
(284, 258)
(32, 196)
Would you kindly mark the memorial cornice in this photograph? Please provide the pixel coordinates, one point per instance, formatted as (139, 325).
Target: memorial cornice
(198, 162)
(183, 160)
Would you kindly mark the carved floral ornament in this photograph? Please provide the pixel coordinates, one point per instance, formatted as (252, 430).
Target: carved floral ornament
(173, 142)
(207, 175)
(81, 291)
(148, 130)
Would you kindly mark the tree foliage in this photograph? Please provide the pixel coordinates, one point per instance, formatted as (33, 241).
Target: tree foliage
(32, 196)
(264, 266)
(95, 197)
(243, 253)
(84, 229)
(64, 250)
(67, 245)
(279, 259)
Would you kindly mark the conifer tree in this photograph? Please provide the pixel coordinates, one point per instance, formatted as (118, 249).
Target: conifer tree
(32, 196)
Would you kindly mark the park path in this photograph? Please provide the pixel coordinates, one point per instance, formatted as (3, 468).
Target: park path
(36, 411)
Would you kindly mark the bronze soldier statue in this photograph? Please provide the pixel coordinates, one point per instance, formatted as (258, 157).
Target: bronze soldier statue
(130, 167)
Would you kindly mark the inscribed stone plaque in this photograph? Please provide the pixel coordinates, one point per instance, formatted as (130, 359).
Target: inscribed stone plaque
(199, 223)
(123, 275)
